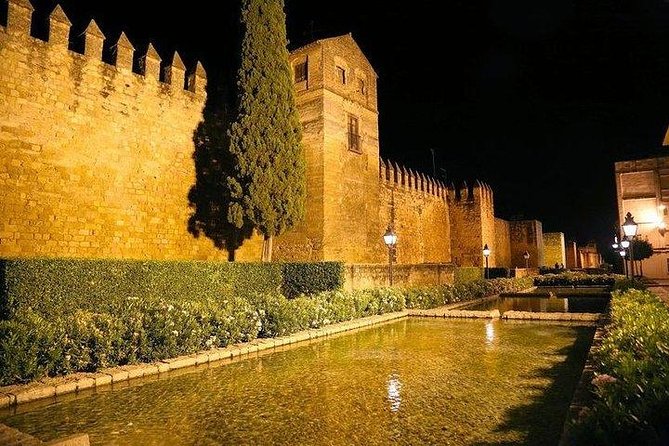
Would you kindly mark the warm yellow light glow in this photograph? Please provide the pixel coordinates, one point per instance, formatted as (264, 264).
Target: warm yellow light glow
(394, 387)
(489, 333)
(649, 215)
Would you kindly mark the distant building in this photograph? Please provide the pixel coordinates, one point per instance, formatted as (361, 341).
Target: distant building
(554, 249)
(578, 257)
(642, 188)
(589, 256)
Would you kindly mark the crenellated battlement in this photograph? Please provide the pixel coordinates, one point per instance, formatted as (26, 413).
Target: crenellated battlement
(476, 192)
(399, 176)
(149, 67)
(96, 154)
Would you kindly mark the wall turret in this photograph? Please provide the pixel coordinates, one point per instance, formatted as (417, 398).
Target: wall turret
(59, 27)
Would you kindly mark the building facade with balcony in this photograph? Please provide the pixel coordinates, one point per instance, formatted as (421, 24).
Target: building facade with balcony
(642, 188)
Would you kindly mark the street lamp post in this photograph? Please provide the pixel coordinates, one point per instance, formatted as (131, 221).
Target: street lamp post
(623, 254)
(526, 256)
(486, 254)
(624, 244)
(390, 239)
(630, 229)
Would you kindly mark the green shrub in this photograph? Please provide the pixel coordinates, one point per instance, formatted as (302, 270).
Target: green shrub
(632, 382)
(576, 279)
(51, 286)
(465, 274)
(310, 278)
(29, 348)
(623, 284)
(498, 272)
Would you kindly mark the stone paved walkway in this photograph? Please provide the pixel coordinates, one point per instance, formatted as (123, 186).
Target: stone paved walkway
(661, 288)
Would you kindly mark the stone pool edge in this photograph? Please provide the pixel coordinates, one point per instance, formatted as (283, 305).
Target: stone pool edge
(17, 394)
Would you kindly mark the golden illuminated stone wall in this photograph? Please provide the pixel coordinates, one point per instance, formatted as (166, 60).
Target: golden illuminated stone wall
(526, 235)
(554, 249)
(472, 219)
(95, 160)
(343, 195)
(417, 208)
(502, 243)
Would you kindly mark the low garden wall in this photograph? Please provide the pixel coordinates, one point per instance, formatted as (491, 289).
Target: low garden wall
(362, 276)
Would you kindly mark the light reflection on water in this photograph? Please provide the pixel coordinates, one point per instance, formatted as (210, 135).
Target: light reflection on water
(394, 387)
(410, 382)
(489, 333)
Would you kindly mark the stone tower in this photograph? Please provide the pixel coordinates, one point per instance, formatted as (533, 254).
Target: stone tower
(336, 98)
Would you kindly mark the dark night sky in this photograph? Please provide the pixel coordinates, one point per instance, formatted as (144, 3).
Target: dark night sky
(537, 98)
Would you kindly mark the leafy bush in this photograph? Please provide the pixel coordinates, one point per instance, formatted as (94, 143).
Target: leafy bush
(465, 274)
(576, 279)
(29, 347)
(310, 278)
(498, 272)
(624, 284)
(53, 286)
(632, 382)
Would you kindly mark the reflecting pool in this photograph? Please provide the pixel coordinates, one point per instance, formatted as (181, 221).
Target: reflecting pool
(571, 304)
(415, 381)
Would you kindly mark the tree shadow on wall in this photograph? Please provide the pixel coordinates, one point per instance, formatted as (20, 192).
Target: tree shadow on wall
(209, 198)
(541, 420)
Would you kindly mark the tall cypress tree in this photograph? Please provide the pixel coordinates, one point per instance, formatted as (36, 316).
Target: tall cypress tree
(268, 188)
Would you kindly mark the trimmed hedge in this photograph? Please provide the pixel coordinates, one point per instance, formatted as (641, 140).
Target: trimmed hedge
(632, 376)
(309, 278)
(466, 274)
(54, 286)
(577, 279)
(140, 330)
(498, 272)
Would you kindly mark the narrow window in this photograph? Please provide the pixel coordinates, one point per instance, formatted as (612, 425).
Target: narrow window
(341, 74)
(301, 72)
(354, 134)
(361, 87)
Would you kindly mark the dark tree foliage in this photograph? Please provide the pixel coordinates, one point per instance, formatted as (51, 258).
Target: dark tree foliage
(642, 249)
(267, 190)
(209, 198)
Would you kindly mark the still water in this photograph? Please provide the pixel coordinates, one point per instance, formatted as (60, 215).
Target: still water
(572, 304)
(412, 382)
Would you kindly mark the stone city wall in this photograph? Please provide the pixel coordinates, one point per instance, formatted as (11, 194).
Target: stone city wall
(95, 159)
(526, 235)
(357, 277)
(417, 208)
(472, 224)
(554, 249)
(502, 243)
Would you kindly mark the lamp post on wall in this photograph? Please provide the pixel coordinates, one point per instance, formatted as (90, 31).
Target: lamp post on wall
(390, 239)
(486, 254)
(526, 256)
(623, 253)
(630, 229)
(624, 244)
